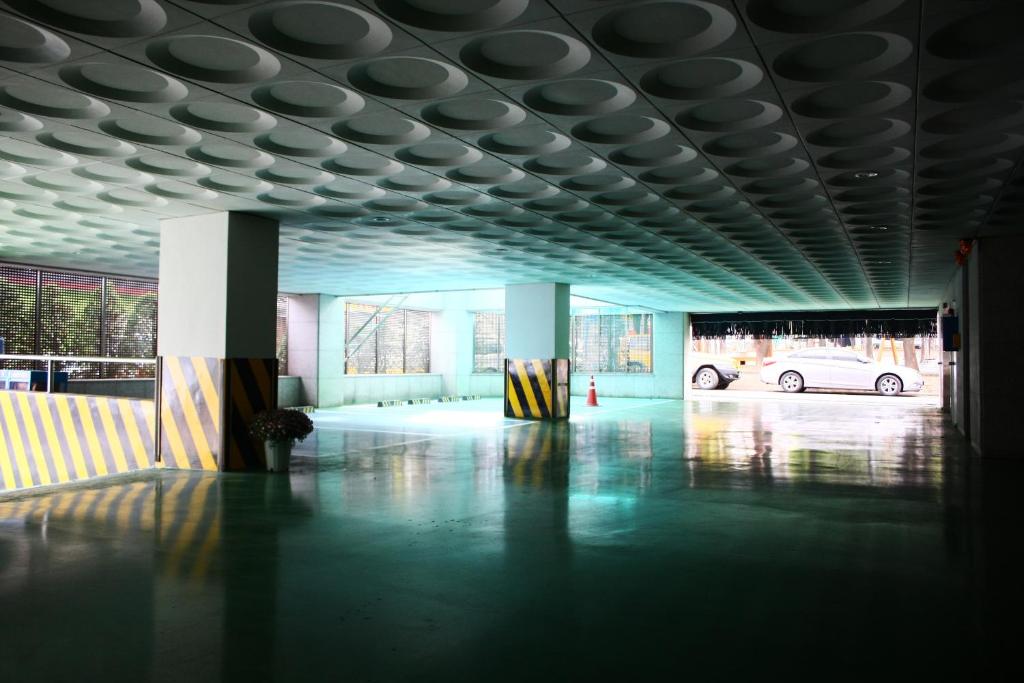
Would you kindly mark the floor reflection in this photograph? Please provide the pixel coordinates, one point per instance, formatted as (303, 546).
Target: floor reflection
(633, 538)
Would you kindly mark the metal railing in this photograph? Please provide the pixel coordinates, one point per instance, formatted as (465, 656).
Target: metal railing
(50, 360)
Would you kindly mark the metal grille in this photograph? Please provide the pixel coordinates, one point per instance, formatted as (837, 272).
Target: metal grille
(282, 335)
(381, 340)
(129, 325)
(19, 306)
(612, 343)
(488, 342)
(70, 319)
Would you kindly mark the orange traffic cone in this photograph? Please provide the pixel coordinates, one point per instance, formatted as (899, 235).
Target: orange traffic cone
(592, 393)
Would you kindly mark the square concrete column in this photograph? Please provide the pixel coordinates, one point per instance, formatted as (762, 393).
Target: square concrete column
(537, 351)
(216, 339)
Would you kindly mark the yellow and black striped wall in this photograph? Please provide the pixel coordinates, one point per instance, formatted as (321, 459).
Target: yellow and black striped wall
(59, 438)
(537, 388)
(206, 405)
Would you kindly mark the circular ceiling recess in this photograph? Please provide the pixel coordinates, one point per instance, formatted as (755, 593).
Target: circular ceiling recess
(231, 156)
(213, 58)
(415, 181)
(986, 115)
(223, 116)
(300, 142)
(852, 99)
(966, 167)
(308, 98)
(987, 144)
(63, 182)
(621, 129)
(750, 145)
(165, 164)
(235, 184)
(974, 82)
(565, 163)
(653, 154)
(408, 78)
(172, 189)
(486, 172)
(107, 173)
(859, 132)
(453, 15)
(15, 122)
(363, 162)
(150, 131)
(474, 114)
(843, 56)
(991, 34)
(773, 167)
(525, 55)
(84, 142)
(109, 18)
(817, 16)
(439, 154)
(285, 196)
(672, 175)
(701, 79)
(382, 129)
(864, 157)
(51, 100)
(730, 115)
(598, 182)
(530, 140)
(664, 29)
(126, 82)
(345, 188)
(321, 30)
(580, 97)
(22, 42)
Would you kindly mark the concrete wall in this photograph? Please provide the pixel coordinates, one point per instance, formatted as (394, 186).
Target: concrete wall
(289, 392)
(670, 336)
(123, 388)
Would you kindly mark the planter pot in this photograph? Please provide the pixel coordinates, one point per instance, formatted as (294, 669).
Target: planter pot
(279, 455)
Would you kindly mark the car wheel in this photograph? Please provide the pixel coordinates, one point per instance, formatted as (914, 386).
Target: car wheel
(791, 382)
(707, 378)
(889, 385)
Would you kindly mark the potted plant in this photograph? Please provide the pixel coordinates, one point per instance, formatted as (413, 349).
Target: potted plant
(279, 429)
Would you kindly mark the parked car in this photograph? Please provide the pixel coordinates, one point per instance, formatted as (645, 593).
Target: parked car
(712, 372)
(839, 369)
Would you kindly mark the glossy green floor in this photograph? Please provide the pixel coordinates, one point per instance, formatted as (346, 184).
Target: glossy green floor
(642, 541)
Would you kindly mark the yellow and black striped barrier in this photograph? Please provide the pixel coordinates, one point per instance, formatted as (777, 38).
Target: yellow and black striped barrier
(206, 406)
(251, 385)
(537, 388)
(190, 412)
(59, 438)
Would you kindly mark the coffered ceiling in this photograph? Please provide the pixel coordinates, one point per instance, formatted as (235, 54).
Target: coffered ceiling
(691, 154)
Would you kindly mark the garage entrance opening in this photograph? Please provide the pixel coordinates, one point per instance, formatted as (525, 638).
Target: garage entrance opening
(887, 354)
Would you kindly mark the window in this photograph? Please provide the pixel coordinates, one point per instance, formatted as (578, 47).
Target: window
(384, 340)
(488, 342)
(612, 343)
(282, 335)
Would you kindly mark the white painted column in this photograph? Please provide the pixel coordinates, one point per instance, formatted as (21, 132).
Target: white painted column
(537, 321)
(216, 338)
(218, 286)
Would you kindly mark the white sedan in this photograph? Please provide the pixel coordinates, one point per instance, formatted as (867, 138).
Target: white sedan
(839, 369)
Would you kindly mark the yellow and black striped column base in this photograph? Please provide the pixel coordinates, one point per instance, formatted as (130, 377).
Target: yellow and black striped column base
(537, 389)
(206, 406)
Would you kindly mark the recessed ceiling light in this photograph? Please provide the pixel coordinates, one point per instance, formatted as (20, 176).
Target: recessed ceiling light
(879, 227)
(865, 174)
